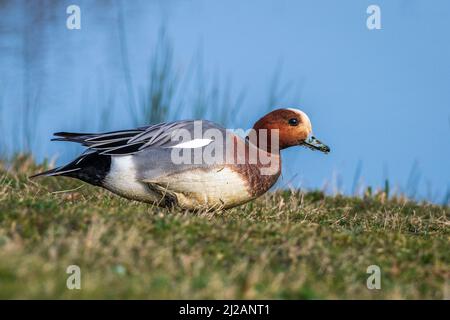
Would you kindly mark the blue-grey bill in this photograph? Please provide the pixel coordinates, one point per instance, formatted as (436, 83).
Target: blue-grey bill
(315, 144)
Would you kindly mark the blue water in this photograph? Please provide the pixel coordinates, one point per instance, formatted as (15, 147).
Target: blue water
(379, 98)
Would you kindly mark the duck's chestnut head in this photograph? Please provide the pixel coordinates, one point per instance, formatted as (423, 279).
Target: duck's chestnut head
(294, 129)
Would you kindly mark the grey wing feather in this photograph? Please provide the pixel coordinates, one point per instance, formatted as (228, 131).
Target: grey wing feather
(126, 142)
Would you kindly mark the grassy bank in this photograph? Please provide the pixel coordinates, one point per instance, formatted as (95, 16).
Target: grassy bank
(283, 245)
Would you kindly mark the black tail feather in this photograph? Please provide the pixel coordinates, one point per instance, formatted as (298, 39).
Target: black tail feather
(71, 134)
(91, 168)
(72, 137)
(47, 173)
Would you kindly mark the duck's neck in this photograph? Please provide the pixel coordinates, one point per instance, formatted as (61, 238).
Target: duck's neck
(265, 139)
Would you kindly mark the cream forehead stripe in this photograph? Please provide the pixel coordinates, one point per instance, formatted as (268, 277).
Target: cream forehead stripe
(301, 113)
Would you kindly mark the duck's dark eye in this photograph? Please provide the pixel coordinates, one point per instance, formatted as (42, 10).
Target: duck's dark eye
(293, 122)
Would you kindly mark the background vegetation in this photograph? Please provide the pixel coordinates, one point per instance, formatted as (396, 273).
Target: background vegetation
(148, 78)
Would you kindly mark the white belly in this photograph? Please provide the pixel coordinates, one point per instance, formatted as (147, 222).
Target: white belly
(121, 180)
(216, 188)
(193, 189)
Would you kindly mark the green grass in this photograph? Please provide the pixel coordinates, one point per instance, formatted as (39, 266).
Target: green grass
(283, 245)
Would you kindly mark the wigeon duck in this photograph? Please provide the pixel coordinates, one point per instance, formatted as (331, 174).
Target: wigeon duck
(190, 164)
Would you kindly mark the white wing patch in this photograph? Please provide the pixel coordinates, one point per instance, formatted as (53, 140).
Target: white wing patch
(195, 143)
